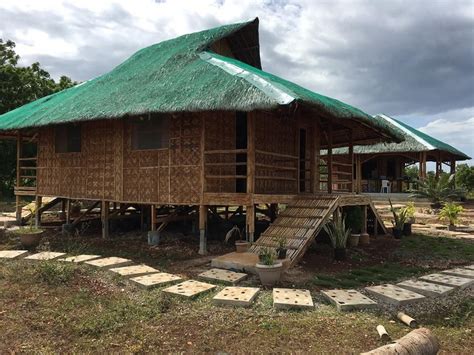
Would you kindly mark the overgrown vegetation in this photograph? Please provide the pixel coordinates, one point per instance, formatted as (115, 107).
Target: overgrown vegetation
(55, 273)
(438, 189)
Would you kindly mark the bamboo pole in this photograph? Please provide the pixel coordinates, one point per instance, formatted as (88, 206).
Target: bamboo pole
(250, 222)
(329, 158)
(105, 219)
(18, 206)
(383, 333)
(407, 319)
(38, 202)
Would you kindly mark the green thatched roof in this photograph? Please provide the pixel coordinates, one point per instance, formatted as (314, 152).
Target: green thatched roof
(184, 75)
(415, 141)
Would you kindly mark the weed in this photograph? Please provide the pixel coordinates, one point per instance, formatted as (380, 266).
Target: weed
(55, 273)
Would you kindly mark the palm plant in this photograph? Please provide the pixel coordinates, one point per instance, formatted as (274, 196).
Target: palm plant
(437, 189)
(337, 232)
(399, 218)
(450, 212)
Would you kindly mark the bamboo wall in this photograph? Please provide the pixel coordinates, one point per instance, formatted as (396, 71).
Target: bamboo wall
(108, 169)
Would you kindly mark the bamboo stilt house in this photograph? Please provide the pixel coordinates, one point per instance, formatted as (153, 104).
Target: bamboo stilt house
(192, 121)
(387, 161)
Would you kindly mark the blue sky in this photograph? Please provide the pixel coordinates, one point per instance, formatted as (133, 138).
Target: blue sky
(413, 60)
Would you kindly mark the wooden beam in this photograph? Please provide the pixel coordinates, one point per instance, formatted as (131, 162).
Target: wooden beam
(81, 217)
(364, 219)
(329, 157)
(250, 153)
(316, 158)
(202, 229)
(38, 202)
(105, 219)
(250, 222)
(18, 157)
(153, 218)
(351, 158)
(68, 211)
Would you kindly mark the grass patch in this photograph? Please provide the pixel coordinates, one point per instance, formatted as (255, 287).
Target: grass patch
(423, 247)
(367, 275)
(55, 273)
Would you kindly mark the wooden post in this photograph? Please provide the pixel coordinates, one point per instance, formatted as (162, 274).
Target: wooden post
(316, 158)
(422, 169)
(452, 167)
(273, 211)
(364, 219)
(153, 218)
(18, 206)
(358, 174)
(351, 159)
(250, 153)
(38, 203)
(68, 211)
(202, 229)
(250, 222)
(105, 219)
(329, 158)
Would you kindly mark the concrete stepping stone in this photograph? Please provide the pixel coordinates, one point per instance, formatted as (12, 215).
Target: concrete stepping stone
(236, 296)
(224, 276)
(109, 263)
(448, 280)
(286, 298)
(45, 255)
(12, 254)
(80, 258)
(347, 300)
(395, 295)
(189, 289)
(134, 270)
(425, 288)
(469, 274)
(155, 280)
(469, 267)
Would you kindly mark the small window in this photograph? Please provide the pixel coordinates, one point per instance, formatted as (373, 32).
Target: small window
(68, 139)
(151, 133)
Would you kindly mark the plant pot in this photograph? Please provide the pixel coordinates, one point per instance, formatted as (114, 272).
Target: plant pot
(451, 227)
(364, 239)
(269, 274)
(397, 233)
(281, 253)
(407, 229)
(354, 240)
(340, 254)
(241, 246)
(30, 240)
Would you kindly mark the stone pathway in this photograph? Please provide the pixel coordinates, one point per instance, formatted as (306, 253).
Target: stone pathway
(236, 296)
(286, 298)
(189, 288)
(109, 263)
(346, 300)
(12, 254)
(155, 280)
(224, 276)
(405, 292)
(394, 295)
(134, 270)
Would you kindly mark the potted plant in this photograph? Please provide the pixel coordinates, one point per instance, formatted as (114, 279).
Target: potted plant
(281, 250)
(241, 245)
(338, 233)
(410, 214)
(30, 236)
(450, 212)
(354, 220)
(268, 268)
(399, 219)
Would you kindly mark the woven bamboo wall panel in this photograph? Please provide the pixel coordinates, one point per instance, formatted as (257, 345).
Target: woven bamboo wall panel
(108, 168)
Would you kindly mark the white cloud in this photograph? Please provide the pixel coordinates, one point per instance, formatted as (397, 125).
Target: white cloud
(459, 134)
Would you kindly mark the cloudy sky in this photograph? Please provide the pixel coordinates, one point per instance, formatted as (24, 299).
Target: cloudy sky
(413, 59)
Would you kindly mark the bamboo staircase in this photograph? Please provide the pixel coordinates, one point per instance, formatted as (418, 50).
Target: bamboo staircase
(298, 224)
(302, 220)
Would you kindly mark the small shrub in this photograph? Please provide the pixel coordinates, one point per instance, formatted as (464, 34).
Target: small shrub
(55, 273)
(450, 212)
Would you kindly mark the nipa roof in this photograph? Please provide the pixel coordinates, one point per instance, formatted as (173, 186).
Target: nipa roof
(184, 75)
(414, 141)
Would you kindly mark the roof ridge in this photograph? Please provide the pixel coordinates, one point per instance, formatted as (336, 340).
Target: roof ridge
(400, 126)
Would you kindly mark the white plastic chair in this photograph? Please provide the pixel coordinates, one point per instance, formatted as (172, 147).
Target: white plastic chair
(386, 187)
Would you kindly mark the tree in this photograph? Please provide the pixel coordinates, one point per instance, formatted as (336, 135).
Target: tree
(465, 177)
(18, 86)
(412, 172)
